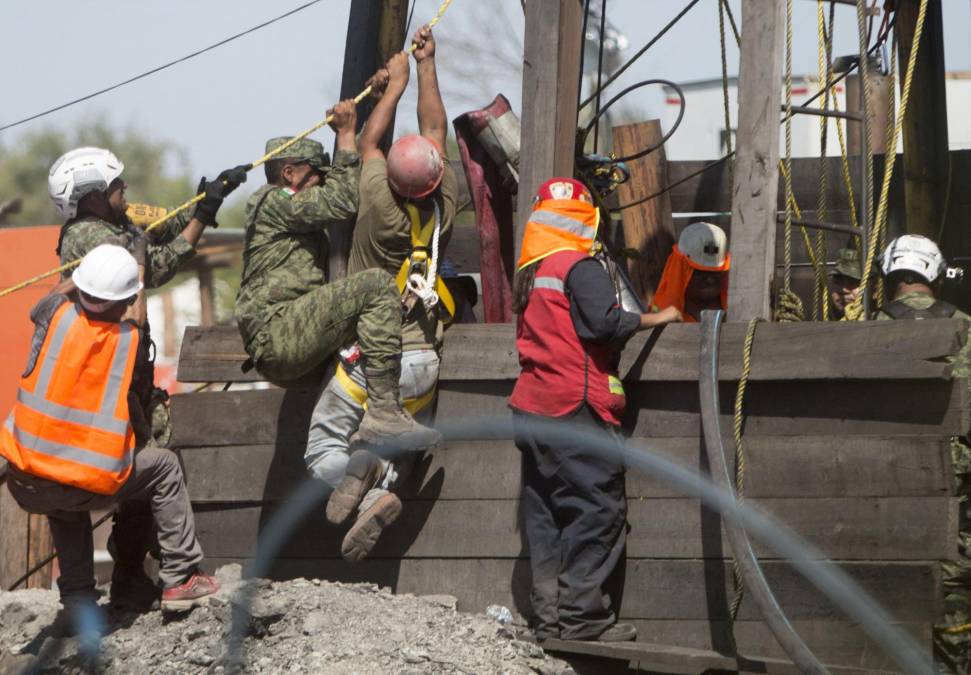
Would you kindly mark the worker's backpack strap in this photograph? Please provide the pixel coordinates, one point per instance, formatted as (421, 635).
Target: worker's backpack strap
(418, 275)
(900, 310)
(359, 393)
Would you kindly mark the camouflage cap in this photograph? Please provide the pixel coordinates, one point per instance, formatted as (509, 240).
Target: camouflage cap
(848, 263)
(305, 149)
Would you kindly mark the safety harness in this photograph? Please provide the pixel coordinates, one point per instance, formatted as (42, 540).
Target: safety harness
(417, 280)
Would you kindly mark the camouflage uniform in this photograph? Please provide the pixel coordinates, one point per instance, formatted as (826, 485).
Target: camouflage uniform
(847, 265)
(291, 320)
(953, 650)
(166, 252)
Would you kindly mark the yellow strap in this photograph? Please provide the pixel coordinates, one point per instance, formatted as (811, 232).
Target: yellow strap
(359, 394)
(421, 236)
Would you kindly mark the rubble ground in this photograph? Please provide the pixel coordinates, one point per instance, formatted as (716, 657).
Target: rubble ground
(299, 626)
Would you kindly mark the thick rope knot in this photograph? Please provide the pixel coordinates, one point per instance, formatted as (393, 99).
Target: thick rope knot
(854, 310)
(789, 307)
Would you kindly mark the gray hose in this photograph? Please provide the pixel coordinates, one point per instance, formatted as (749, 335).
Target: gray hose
(738, 539)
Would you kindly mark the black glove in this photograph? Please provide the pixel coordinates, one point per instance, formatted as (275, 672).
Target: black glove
(216, 191)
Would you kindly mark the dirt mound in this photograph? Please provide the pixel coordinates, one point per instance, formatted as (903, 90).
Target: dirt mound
(299, 626)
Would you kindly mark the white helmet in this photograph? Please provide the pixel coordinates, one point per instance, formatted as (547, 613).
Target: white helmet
(108, 273)
(914, 253)
(78, 172)
(704, 244)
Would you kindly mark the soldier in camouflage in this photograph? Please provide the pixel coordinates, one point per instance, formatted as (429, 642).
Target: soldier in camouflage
(86, 187)
(844, 281)
(291, 320)
(914, 270)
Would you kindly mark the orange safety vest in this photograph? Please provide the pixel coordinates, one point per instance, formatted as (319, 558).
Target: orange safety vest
(70, 424)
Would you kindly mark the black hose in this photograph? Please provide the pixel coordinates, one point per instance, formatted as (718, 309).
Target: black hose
(646, 151)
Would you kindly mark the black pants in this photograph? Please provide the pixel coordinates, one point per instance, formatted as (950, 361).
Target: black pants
(575, 517)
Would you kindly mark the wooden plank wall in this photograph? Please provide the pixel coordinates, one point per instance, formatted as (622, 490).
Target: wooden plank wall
(837, 450)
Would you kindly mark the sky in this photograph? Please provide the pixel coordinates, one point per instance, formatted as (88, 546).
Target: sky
(222, 106)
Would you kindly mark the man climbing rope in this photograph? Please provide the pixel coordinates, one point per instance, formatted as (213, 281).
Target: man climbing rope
(569, 334)
(695, 275)
(914, 271)
(72, 445)
(291, 320)
(408, 205)
(88, 191)
(844, 281)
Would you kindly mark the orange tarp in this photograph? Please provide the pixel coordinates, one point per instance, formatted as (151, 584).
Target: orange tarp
(24, 252)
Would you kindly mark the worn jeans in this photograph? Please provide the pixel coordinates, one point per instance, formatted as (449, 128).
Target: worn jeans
(337, 416)
(156, 478)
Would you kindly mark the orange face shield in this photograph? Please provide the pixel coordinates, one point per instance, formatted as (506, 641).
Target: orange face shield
(675, 279)
(559, 225)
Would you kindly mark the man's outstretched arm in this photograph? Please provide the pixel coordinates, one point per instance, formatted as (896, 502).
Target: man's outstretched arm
(432, 122)
(389, 84)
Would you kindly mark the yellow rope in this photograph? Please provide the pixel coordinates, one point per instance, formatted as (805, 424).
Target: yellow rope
(854, 311)
(728, 119)
(740, 456)
(824, 67)
(262, 160)
(788, 304)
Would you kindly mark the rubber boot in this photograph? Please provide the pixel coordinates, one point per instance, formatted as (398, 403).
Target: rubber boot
(387, 428)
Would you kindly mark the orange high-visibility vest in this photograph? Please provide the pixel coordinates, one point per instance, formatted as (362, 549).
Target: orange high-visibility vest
(70, 423)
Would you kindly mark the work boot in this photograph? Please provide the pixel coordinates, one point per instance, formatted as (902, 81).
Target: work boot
(619, 632)
(386, 425)
(190, 593)
(132, 590)
(362, 473)
(363, 535)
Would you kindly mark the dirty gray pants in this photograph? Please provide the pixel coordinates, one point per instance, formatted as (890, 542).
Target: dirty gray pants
(156, 478)
(337, 416)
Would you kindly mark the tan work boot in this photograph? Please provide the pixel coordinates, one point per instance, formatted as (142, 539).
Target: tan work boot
(386, 425)
(362, 473)
(363, 535)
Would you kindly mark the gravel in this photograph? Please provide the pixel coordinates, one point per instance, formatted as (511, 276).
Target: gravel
(297, 626)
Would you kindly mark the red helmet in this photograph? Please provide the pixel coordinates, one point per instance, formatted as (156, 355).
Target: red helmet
(415, 167)
(563, 188)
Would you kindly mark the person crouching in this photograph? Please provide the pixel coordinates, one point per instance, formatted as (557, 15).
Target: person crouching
(70, 440)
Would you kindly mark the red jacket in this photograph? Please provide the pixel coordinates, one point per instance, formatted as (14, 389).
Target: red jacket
(560, 371)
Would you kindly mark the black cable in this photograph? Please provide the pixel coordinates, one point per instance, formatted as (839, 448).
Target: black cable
(411, 14)
(722, 160)
(640, 53)
(583, 51)
(600, 74)
(159, 68)
(649, 149)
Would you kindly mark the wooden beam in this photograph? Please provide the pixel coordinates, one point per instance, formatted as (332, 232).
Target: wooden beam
(756, 161)
(551, 76)
(375, 31)
(207, 305)
(925, 142)
(648, 227)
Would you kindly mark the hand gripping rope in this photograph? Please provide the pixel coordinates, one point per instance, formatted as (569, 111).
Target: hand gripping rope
(262, 160)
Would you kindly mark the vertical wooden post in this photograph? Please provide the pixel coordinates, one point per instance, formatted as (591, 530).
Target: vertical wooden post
(756, 174)
(375, 31)
(648, 227)
(207, 309)
(551, 76)
(925, 127)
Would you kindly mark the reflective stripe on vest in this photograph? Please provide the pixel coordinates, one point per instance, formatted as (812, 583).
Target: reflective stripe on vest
(560, 222)
(70, 423)
(549, 284)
